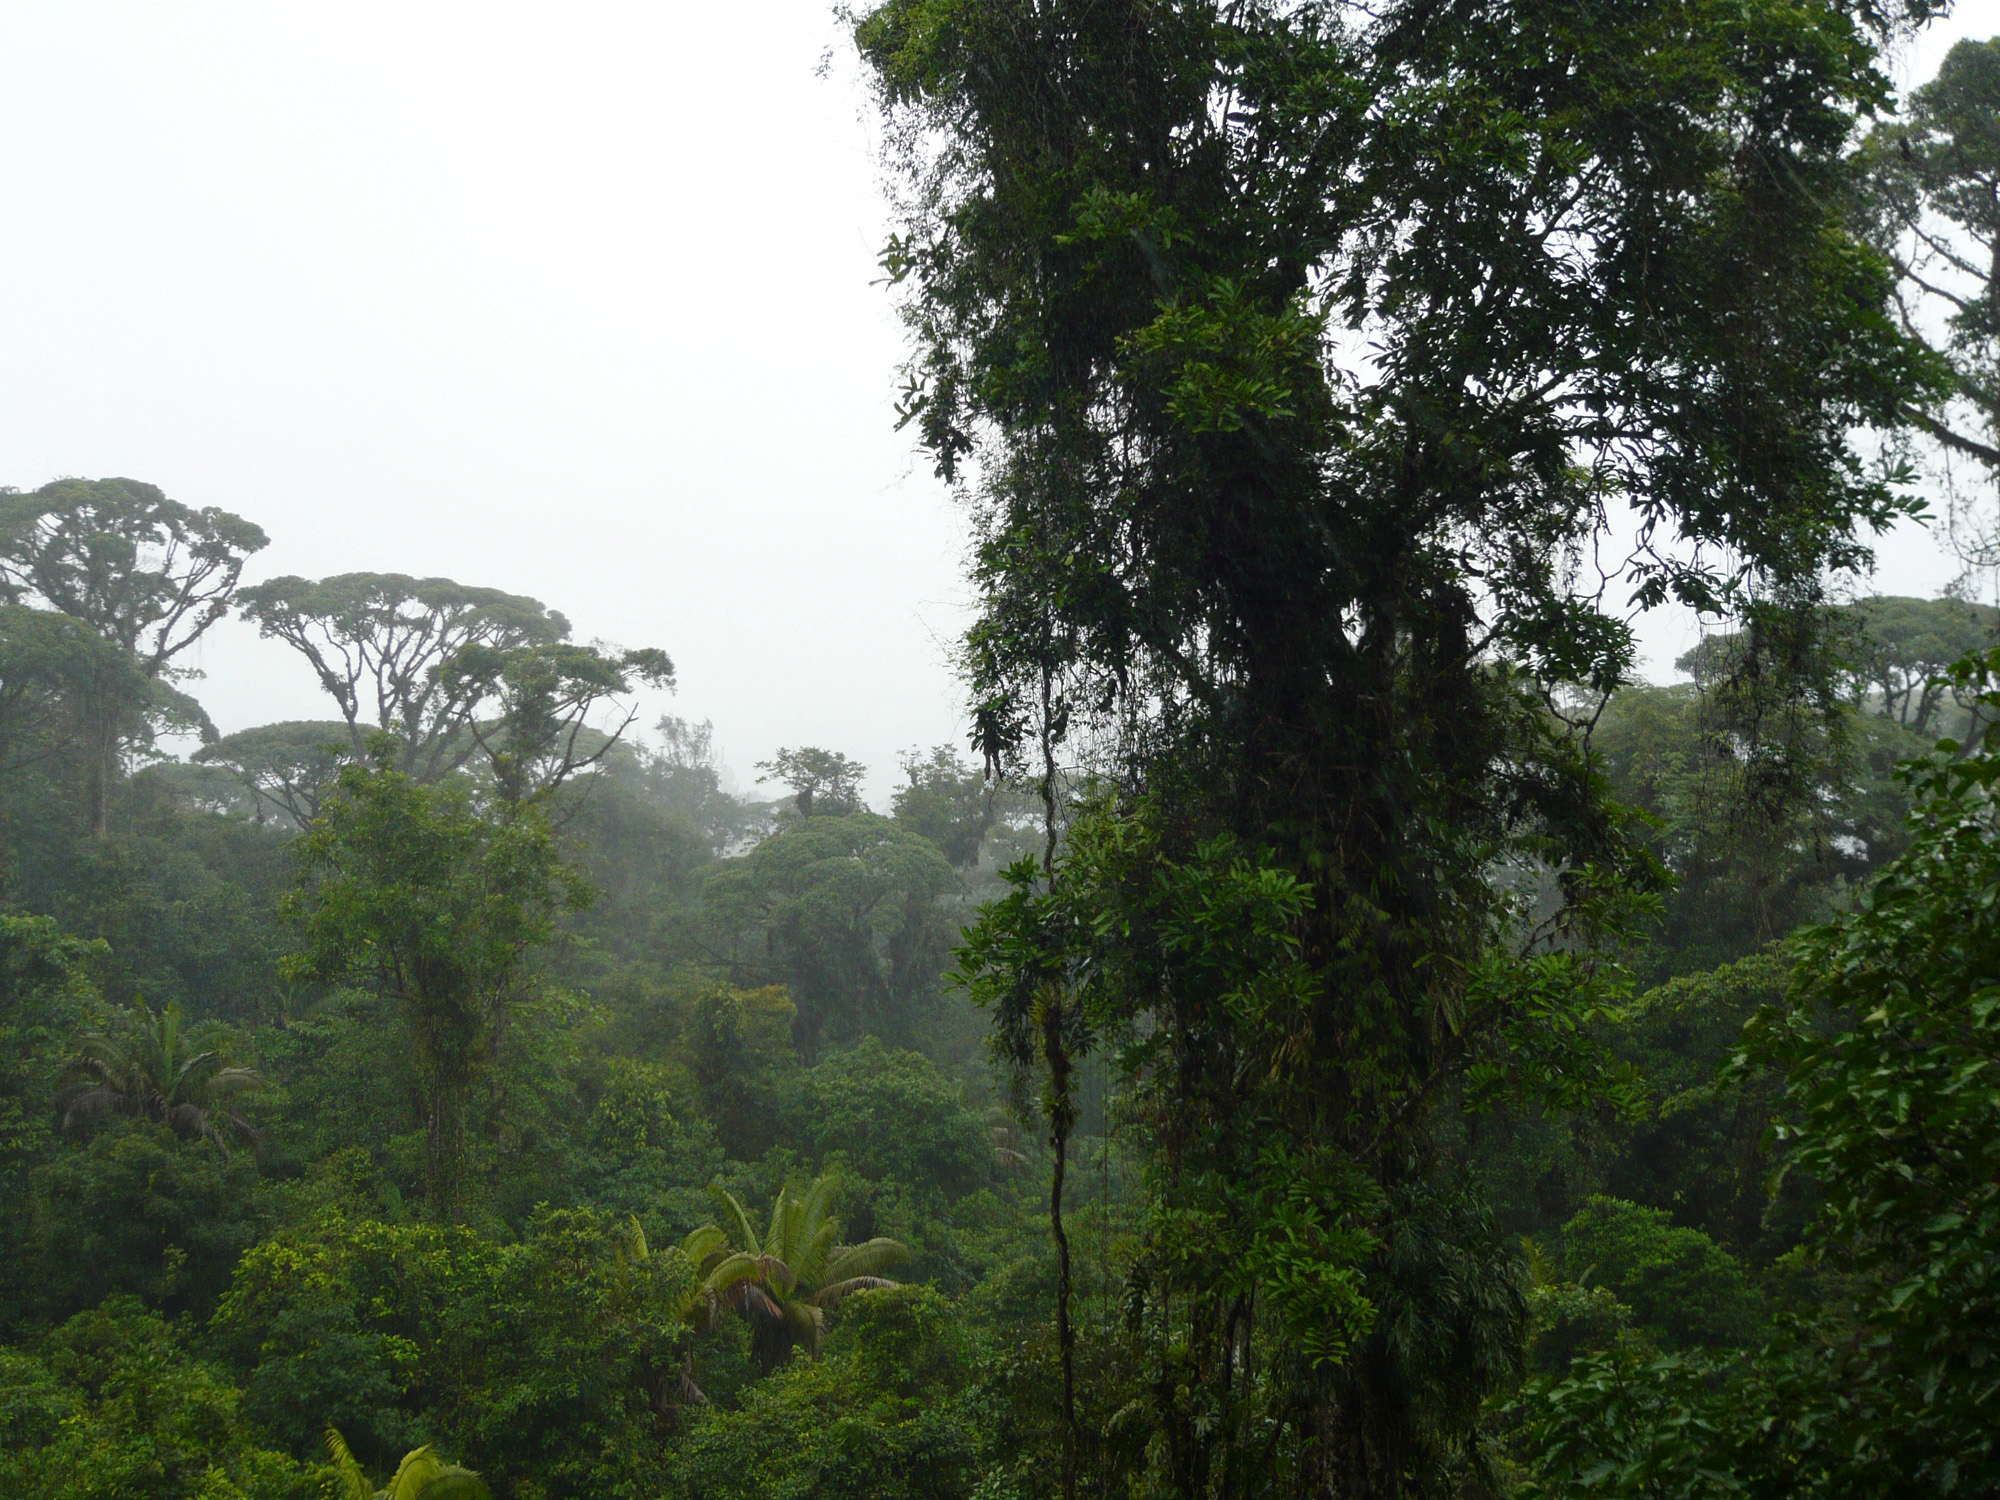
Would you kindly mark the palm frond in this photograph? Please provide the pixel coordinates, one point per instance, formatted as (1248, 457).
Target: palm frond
(97, 1057)
(414, 1474)
(760, 1303)
(830, 1294)
(774, 1272)
(739, 1221)
(194, 1072)
(784, 1214)
(353, 1483)
(92, 1102)
(798, 1219)
(686, 1391)
(805, 1323)
(782, 1284)
(630, 1245)
(732, 1271)
(704, 1243)
(817, 1204)
(868, 1259)
(702, 1310)
(211, 1036)
(156, 1040)
(236, 1080)
(818, 1246)
(159, 1068)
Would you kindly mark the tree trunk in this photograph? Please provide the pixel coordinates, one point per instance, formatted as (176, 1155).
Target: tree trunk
(445, 1059)
(444, 1140)
(1062, 1118)
(103, 768)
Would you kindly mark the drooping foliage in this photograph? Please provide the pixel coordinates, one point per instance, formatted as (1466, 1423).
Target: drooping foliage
(786, 1280)
(157, 1067)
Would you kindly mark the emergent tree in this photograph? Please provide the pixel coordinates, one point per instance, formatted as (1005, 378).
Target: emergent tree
(147, 573)
(284, 766)
(380, 643)
(1935, 210)
(1301, 355)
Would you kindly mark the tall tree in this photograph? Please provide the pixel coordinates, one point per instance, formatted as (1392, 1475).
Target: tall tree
(822, 781)
(58, 679)
(1300, 354)
(380, 644)
(284, 766)
(147, 573)
(539, 736)
(1900, 651)
(50, 663)
(848, 914)
(684, 774)
(1935, 209)
(948, 802)
(412, 890)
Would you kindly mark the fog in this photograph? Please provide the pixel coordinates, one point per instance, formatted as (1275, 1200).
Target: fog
(573, 301)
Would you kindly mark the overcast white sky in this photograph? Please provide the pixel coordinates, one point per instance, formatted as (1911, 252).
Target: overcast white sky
(572, 300)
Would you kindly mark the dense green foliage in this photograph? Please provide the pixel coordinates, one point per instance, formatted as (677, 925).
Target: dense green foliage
(407, 887)
(1293, 358)
(112, 1405)
(1883, 1044)
(1347, 1038)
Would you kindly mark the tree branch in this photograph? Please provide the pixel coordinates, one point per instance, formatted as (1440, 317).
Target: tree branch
(1972, 446)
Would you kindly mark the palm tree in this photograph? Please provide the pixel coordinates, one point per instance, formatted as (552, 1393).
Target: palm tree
(422, 1475)
(157, 1068)
(785, 1282)
(706, 1250)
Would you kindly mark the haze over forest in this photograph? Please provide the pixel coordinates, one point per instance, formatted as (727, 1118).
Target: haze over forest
(982, 750)
(415, 270)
